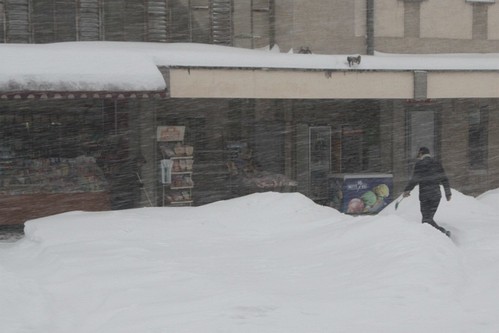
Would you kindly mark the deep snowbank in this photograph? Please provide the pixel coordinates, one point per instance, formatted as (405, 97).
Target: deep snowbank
(267, 262)
(257, 215)
(490, 198)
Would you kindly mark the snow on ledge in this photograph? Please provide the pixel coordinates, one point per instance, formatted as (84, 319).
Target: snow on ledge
(132, 66)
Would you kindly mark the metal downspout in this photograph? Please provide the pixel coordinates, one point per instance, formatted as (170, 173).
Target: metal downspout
(370, 27)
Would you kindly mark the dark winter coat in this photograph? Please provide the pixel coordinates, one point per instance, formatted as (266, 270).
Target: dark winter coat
(429, 175)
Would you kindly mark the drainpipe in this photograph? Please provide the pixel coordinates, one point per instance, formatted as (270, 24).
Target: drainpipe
(3, 24)
(370, 27)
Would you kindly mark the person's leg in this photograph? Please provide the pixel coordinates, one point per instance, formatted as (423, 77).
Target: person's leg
(428, 210)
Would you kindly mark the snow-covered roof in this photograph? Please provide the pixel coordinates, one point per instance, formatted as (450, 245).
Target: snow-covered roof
(133, 66)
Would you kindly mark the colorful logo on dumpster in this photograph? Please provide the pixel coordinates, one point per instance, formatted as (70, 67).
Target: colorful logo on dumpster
(360, 185)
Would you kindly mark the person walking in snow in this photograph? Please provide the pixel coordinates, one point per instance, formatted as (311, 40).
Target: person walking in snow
(429, 175)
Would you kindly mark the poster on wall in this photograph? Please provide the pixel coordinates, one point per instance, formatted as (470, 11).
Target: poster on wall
(166, 166)
(358, 194)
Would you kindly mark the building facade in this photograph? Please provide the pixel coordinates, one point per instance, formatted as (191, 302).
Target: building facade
(324, 26)
(372, 121)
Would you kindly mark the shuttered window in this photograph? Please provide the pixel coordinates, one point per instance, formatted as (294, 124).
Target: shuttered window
(158, 14)
(89, 20)
(221, 22)
(17, 21)
(135, 20)
(2, 22)
(47, 21)
(261, 15)
(53, 21)
(200, 21)
(254, 23)
(124, 20)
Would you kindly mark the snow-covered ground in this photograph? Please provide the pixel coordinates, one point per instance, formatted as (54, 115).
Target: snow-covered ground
(267, 262)
(100, 66)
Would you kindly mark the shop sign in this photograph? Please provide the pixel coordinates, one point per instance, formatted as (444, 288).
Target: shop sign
(170, 133)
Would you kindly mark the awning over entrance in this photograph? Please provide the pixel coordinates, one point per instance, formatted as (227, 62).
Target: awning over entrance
(331, 84)
(289, 84)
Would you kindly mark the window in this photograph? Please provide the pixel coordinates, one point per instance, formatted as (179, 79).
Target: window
(221, 22)
(89, 18)
(53, 21)
(478, 138)
(17, 22)
(2, 22)
(123, 20)
(254, 24)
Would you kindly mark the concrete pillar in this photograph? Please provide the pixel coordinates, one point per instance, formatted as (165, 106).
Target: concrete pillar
(420, 85)
(493, 138)
(400, 168)
(148, 147)
(386, 138)
(289, 169)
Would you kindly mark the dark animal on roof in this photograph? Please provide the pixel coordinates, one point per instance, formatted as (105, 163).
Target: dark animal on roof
(353, 60)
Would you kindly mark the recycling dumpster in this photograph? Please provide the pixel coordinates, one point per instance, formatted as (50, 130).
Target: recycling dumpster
(360, 193)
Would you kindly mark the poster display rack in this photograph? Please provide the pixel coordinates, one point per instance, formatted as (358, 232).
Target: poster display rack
(176, 166)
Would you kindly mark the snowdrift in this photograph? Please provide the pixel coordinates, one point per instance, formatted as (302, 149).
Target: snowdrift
(267, 262)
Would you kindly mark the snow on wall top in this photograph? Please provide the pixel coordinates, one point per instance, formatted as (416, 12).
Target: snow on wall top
(132, 66)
